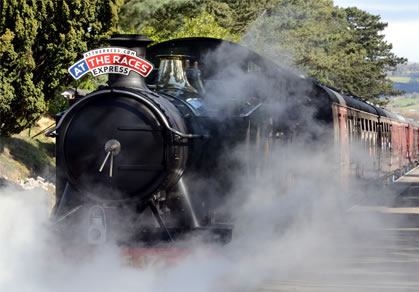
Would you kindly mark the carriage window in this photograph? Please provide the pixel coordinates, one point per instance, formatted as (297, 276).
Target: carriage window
(370, 122)
(362, 124)
(375, 126)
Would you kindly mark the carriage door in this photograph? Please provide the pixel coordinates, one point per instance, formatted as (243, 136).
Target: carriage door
(408, 143)
(342, 138)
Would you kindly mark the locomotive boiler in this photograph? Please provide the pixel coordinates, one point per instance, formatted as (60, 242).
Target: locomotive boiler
(141, 165)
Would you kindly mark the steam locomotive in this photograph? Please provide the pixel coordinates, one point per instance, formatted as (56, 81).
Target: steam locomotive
(147, 159)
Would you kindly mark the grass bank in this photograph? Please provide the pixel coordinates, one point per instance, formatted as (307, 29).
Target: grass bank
(23, 155)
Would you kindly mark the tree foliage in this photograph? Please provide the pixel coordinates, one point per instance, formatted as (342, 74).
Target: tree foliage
(167, 19)
(39, 40)
(370, 79)
(343, 48)
(203, 25)
(164, 15)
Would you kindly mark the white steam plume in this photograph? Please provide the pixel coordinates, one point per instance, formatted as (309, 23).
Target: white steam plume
(291, 220)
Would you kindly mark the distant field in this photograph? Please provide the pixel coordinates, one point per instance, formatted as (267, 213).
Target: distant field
(400, 79)
(404, 102)
(405, 106)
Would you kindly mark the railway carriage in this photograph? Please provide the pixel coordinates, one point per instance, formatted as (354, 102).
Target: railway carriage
(390, 140)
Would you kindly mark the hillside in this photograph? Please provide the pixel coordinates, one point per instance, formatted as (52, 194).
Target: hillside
(23, 156)
(406, 78)
(406, 83)
(406, 105)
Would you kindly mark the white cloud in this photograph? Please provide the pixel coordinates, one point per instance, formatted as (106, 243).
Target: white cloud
(405, 42)
(379, 6)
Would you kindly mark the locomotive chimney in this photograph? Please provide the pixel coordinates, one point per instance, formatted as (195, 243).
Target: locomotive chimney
(134, 42)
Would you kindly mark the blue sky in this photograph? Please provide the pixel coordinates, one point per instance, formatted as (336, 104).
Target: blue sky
(402, 17)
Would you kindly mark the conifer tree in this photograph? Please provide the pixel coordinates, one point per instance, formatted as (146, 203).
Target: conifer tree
(369, 78)
(343, 48)
(39, 40)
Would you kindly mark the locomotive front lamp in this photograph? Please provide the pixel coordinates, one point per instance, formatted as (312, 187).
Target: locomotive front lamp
(112, 147)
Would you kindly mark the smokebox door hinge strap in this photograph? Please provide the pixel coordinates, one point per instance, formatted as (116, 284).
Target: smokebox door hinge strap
(160, 220)
(51, 133)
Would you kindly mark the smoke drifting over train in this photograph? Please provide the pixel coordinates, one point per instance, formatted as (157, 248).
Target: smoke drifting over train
(282, 232)
(290, 211)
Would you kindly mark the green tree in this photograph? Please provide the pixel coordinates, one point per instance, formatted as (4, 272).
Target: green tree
(166, 16)
(39, 40)
(377, 58)
(203, 25)
(343, 48)
(166, 19)
(238, 15)
(339, 47)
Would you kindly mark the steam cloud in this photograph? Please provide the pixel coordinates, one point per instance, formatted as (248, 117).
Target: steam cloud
(289, 224)
(291, 220)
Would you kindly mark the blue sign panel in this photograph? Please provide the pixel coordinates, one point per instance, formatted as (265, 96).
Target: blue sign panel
(79, 69)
